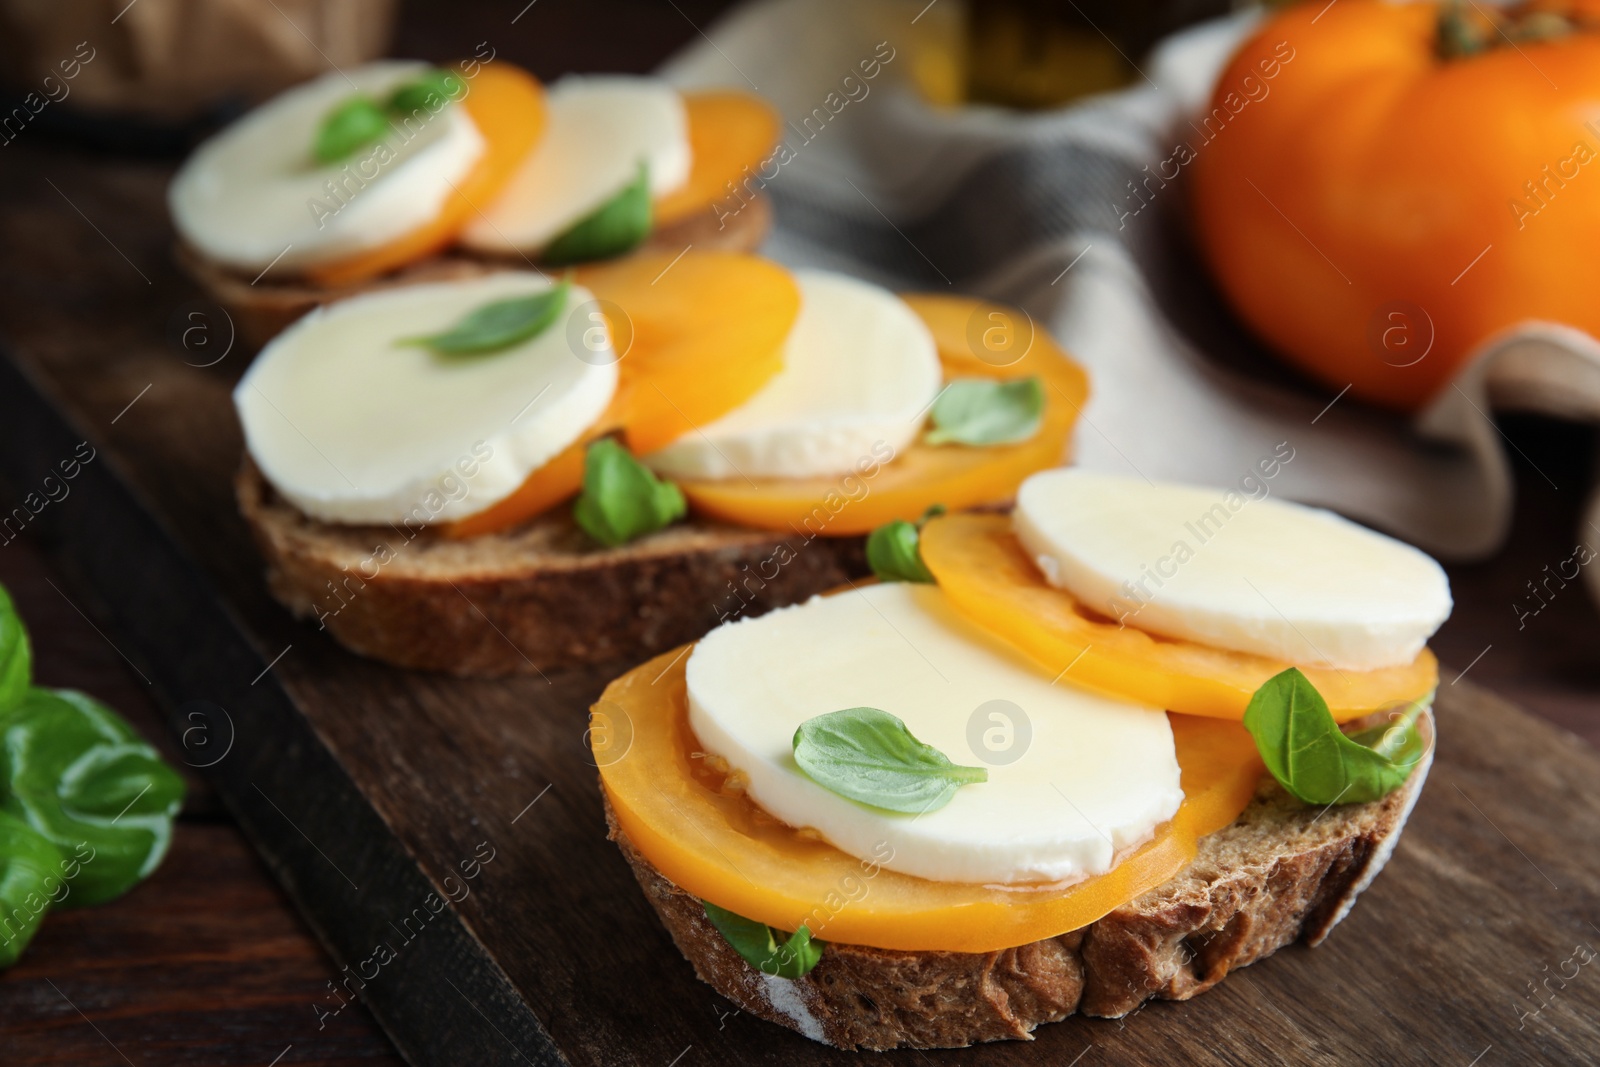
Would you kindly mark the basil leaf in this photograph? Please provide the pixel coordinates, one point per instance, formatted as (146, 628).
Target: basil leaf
(758, 944)
(16, 656)
(498, 325)
(417, 95)
(982, 411)
(348, 128)
(868, 755)
(615, 227)
(1306, 752)
(893, 552)
(83, 779)
(622, 498)
(359, 120)
(1400, 741)
(31, 875)
(893, 555)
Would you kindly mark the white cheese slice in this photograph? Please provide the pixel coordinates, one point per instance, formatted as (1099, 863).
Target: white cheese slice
(1095, 778)
(600, 128)
(253, 196)
(860, 371)
(351, 426)
(1229, 570)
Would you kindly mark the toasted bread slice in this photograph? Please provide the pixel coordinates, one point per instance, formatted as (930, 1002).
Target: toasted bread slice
(1281, 872)
(261, 308)
(533, 598)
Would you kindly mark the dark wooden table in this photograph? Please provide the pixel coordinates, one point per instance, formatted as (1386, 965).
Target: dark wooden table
(204, 963)
(208, 957)
(207, 962)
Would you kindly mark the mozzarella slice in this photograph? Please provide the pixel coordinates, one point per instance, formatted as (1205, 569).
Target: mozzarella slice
(351, 426)
(1095, 778)
(600, 128)
(1216, 566)
(252, 196)
(859, 371)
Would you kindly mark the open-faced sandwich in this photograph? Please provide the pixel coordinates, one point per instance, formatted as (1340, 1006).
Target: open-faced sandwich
(1093, 758)
(371, 174)
(507, 473)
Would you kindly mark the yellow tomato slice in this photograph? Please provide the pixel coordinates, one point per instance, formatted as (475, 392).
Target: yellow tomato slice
(986, 573)
(507, 106)
(698, 336)
(714, 843)
(707, 332)
(920, 476)
(730, 133)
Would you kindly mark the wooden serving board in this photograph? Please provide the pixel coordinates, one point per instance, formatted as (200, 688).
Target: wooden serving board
(373, 792)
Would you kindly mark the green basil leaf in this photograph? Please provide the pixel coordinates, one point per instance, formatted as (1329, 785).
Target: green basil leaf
(893, 555)
(868, 755)
(617, 226)
(758, 944)
(498, 325)
(348, 128)
(622, 498)
(32, 873)
(983, 411)
(82, 778)
(419, 95)
(1310, 757)
(16, 656)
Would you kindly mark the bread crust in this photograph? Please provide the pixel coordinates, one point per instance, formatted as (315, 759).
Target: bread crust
(1281, 872)
(260, 309)
(534, 598)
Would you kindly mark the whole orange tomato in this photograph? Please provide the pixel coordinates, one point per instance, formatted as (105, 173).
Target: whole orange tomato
(1385, 202)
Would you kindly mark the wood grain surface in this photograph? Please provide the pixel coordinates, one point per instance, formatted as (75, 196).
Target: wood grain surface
(1491, 889)
(205, 963)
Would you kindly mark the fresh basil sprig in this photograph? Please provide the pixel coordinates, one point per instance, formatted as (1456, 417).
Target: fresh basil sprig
(86, 807)
(982, 411)
(617, 226)
(1310, 757)
(498, 325)
(758, 944)
(77, 773)
(868, 755)
(16, 656)
(359, 120)
(622, 498)
(893, 551)
(31, 870)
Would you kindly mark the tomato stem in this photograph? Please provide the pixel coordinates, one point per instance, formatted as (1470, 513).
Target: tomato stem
(1468, 29)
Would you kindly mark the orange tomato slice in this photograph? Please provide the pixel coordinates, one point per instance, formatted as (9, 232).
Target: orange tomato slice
(507, 106)
(699, 335)
(707, 332)
(986, 573)
(729, 133)
(717, 845)
(922, 475)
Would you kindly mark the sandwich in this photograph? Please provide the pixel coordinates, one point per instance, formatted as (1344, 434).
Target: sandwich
(510, 472)
(397, 171)
(1108, 748)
